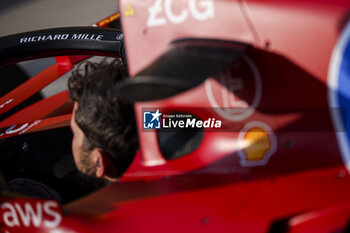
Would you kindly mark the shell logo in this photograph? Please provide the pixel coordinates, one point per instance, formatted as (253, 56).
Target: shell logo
(257, 143)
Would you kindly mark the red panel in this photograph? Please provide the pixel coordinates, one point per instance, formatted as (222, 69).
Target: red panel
(104, 22)
(32, 86)
(200, 20)
(302, 31)
(333, 218)
(208, 203)
(38, 125)
(37, 110)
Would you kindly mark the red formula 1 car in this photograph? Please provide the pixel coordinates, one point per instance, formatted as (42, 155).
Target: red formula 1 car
(275, 74)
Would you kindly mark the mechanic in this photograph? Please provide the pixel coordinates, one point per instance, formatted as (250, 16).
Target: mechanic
(105, 138)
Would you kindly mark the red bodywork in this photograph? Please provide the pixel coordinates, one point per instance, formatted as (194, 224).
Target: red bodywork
(294, 181)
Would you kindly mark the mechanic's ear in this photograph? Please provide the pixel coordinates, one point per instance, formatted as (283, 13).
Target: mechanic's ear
(100, 161)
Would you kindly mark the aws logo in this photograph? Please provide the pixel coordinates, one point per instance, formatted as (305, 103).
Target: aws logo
(31, 214)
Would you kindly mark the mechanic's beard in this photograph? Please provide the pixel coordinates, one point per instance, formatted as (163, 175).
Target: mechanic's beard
(90, 181)
(88, 178)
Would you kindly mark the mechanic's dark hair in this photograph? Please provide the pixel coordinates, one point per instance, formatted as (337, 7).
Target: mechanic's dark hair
(108, 123)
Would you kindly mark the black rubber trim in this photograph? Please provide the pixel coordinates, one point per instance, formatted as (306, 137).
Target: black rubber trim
(186, 64)
(60, 42)
(178, 142)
